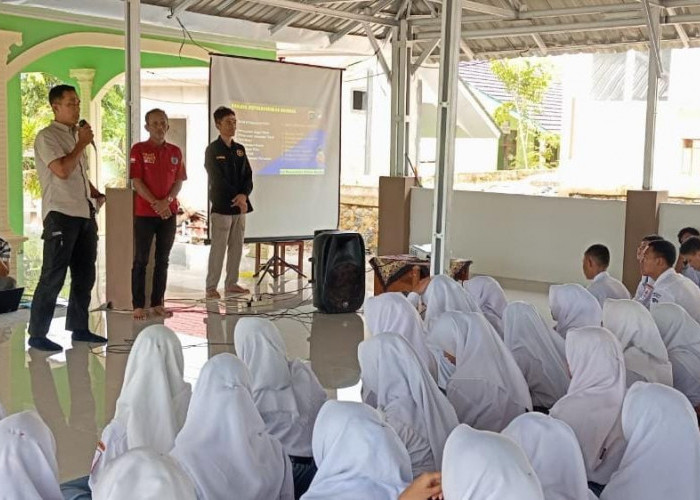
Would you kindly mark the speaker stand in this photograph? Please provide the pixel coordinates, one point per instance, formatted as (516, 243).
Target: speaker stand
(273, 263)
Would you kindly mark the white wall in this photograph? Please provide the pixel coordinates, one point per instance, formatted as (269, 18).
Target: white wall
(521, 237)
(673, 217)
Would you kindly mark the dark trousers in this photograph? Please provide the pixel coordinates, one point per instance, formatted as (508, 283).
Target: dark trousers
(145, 228)
(69, 242)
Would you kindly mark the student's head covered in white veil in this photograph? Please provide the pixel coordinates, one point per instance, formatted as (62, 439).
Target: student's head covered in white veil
(646, 358)
(152, 405)
(145, 474)
(573, 306)
(539, 352)
(391, 370)
(358, 455)
(445, 294)
(28, 467)
(593, 403)
(554, 453)
(662, 459)
(482, 465)
(224, 445)
(393, 313)
(490, 297)
(287, 394)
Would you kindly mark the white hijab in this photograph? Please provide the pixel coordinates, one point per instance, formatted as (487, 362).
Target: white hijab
(482, 465)
(593, 402)
(444, 294)
(28, 467)
(538, 351)
(393, 313)
(554, 453)
(224, 445)
(662, 460)
(681, 334)
(145, 474)
(573, 307)
(391, 370)
(152, 405)
(491, 299)
(358, 455)
(486, 375)
(645, 353)
(287, 394)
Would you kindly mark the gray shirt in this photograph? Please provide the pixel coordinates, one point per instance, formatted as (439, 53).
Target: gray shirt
(69, 196)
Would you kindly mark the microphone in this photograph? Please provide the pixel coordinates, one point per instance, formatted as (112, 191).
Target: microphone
(81, 124)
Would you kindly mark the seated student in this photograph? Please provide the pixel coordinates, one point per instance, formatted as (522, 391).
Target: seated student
(487, 388)
(646, 357)
(682, 265)
(483, 465)
(409, 398)
(444, 294)
(646, 284)
(359, 455)
(593, 403)
(596, 260)
(287, 394)
(690, 255)
(143, 473)
(152, 405)
(224, 445)
(7, 282)
(491, 299)
(669, 286)
(662, 459)
(539, 352)
(573, 306)
(554, 453)
(681, 334)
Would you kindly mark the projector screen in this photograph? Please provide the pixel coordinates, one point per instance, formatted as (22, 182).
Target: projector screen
(289, 123)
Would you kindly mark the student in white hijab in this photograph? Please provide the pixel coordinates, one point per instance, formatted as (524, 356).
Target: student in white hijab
(491, 299)
(646, 358)
(287, 394)
(487, 388)
(538, 351)
(414, 406)
(444, 294)
(482, 465)
(144, 474)
(681, 334)
(662, 460)
(391, 312)
(28, 467)
(573, 307)
(359, 455)
(152, 405)
(554, 453)
(224, 445)
(593, 402)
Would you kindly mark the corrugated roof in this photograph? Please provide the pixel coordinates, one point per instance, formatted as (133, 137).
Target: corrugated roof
(491, 28)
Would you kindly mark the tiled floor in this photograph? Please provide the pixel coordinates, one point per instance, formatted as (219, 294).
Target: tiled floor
(75, 391)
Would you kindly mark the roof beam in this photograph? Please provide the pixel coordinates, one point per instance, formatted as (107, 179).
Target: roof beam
(424, 55)
(372, 11)
(180, 7)
(329, 12)
(654, 37)
(682, 34)
(540, 43)
(378, 51)
(469, 53)
(286, 21)
(487, 9)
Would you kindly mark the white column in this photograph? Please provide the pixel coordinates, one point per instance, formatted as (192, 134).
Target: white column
(400, 100)
(132, 19)
(652, 102)
(85, 78)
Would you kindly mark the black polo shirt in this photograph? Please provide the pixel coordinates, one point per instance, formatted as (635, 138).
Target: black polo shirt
(229, 175)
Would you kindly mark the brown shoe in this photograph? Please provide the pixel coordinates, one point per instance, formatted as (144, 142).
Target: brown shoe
(213, 294)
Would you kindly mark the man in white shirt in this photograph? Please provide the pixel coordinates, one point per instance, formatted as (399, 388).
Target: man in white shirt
(682, 265)
(646, 284)
(596, 260)
(669, 286)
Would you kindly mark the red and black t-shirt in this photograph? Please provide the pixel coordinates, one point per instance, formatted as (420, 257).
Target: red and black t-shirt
(159, 167)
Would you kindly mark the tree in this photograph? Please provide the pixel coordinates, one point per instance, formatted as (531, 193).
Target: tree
(114, 135)
(527, 81)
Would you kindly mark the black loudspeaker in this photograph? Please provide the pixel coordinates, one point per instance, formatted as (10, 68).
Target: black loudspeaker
(339, 271)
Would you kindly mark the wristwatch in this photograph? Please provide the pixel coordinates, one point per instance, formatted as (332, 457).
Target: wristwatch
(170, 199)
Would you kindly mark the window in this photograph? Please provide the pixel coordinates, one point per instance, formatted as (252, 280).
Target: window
(359, 100)
(691, 157)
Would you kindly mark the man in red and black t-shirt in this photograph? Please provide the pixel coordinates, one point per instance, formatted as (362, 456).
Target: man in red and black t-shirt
(157, 172)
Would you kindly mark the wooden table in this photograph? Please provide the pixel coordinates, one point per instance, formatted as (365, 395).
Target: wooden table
(402, 273)
(279, 249)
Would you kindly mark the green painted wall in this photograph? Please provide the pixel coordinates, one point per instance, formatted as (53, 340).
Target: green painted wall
(108, 63)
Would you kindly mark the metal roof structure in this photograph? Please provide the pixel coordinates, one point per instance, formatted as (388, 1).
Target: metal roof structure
(490, 28)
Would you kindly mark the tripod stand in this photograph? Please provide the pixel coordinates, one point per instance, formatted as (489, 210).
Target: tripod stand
(276, 266)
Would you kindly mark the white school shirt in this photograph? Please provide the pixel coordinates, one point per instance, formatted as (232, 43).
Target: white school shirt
(673, 287)
(605, 286)
(644, 290)
(689, 272)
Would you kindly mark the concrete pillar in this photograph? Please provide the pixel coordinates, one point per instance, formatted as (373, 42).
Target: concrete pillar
(394, 215)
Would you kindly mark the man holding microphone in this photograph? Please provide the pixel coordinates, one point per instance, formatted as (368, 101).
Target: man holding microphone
(69, 204)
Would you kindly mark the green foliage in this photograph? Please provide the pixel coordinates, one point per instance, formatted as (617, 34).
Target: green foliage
(114, 137)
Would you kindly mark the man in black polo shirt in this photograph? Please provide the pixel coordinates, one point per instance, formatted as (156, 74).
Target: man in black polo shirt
(230, 184)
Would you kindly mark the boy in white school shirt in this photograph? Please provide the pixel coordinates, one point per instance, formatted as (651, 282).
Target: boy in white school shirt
(669, 286)
(682, 265)
(596, 260)
(646, 284)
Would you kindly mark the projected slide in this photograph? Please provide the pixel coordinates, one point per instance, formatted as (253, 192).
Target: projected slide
(288, 120)
(282, 140)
